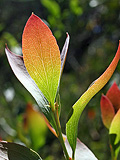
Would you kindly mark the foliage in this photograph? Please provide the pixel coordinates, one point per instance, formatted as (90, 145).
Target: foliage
(39, 70)
(94, 35)
(110, 105)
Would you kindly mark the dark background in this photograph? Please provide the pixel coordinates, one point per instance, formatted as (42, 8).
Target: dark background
(94, 29)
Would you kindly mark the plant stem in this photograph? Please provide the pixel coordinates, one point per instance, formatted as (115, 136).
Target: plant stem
(112, 154)
(59, 133)
(73, 155)
(114, 158)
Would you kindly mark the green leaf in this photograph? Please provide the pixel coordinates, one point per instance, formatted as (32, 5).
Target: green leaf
(78, 107)
(17, 64)
(41, 57)
(114, 133)
(13, 151)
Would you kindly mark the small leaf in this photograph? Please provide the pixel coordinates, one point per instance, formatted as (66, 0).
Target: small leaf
(115, 130)
(81, 152)
(114, 96)
(72, 124)
(41, 56)
(107, 111)
(64, 52)
(12, 151)
(63, 59)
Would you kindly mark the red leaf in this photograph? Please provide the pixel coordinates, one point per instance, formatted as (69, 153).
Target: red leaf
(114, 96)
(107, 111)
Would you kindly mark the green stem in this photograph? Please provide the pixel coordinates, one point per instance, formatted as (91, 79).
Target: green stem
(73, 155)
(113, 155)
(59, 133)
(114, 158)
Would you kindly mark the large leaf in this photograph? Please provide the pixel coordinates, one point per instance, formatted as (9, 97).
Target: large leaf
(17, 64)
(114, 133)
(82, 152)
(41, 56)
(12, 151)
(72, 124)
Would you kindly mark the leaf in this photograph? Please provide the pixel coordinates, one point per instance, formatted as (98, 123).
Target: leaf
(17, 64)
(41, 57)
(81, 152)
(114, 96)
(36, 126)
(107, 111)
(63, 59)
(115, 131)
(72, 124)
(64, 52)
(12, 151)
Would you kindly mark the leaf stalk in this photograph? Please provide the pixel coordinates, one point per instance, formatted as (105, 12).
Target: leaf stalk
(59, 132)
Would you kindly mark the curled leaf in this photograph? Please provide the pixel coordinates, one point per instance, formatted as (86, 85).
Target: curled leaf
(72, 124)
(64, 52)
(17, 64)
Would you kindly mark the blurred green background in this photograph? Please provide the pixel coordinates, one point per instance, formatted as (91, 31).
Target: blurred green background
(94, 29)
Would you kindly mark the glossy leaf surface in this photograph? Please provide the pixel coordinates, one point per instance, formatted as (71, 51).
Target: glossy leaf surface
(12, 151)
(41, 56)
(107, 111)
(17, 64)
(82, 152)
(72, 124)
(114, 96)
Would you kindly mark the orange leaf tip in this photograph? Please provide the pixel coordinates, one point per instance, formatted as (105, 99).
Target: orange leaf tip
(41, 56)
